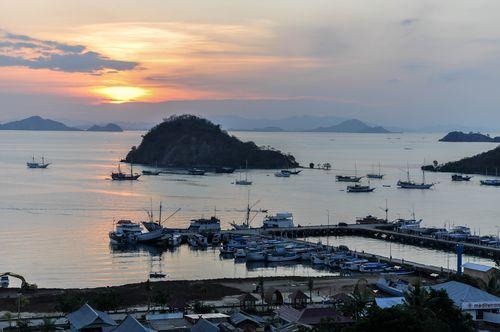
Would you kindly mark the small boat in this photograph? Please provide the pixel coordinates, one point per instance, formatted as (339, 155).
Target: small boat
(357, 188)
(285, 257)
(157, 275)
(393, 287)
(256, 256)
(372, 267)
(491, 182)
(204, 225)
(291, 172)
(409, 184)
(149, 172)
(240, 253)
(353, 265)
(374, 175)
(196, 171)
(348, 178)
(281, 174)
(460, 177)
(35, 164)
(119, 176)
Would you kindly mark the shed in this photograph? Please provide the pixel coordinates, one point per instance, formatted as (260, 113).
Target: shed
(483, 272)
(298, 299)
(88, 319)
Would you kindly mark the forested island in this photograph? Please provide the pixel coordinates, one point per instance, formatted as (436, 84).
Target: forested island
(191, 141)
(479, 164)
(458, 136)
(110, 127)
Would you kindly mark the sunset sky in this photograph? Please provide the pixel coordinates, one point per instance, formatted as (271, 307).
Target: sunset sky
(408, 63)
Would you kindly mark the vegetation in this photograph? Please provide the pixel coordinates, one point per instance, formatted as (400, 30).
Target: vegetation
(190, 141)
(201, 308)
(458, 136)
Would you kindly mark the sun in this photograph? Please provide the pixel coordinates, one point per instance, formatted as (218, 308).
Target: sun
(122, 94)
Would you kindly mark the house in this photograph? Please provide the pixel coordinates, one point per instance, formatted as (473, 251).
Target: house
(246, 322)
(203, 325)
(87, 319)
(169, 322)
(298, 299)
(310, 316)
(247, 302)
(483, 272)
(474, 301)
(215, 318)
(130, 324)
(273, 297)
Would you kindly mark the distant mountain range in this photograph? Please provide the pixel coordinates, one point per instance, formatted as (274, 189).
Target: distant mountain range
(347, 126)
(38, 123)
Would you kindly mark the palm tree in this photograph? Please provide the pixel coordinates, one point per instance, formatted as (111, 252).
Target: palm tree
(417, 297)
(357, 303)
(48, 325)
(310, 287)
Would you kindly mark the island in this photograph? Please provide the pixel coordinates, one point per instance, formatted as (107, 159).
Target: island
(458, 136)
(110, 127)
(37, 123)
(483, 163)
(352, 126)
(270, 129)
(191, 141)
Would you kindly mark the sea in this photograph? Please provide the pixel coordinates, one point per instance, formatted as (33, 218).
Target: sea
(54, 222)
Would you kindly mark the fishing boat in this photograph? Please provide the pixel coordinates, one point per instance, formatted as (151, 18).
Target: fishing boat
(374, 175)
(295, 172)
(353, 265)
(157, 275)
(256, 256)
(280, 220)
(196, 171)
(248, 217)
(357, 188)
(409, 184)
(460, 177)
(125, 232)
(491, 182)
(36, 164)
(244, 182)
(348, 178)
(120, 176)
(225, 170)
(393, 287)
(284, 257)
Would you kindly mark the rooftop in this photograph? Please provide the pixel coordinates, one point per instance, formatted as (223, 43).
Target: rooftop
(467, 297)
(477, 267)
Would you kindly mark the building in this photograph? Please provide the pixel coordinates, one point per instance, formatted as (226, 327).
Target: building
(246, 322)
(298, 299)
(215, 318)
(247, 302)
(483, 272)
(130, 324)
(478, 303)
(87, 319)
(273, 297)
(203, 325)
(310, 316)
(169, 322)
(389, 302)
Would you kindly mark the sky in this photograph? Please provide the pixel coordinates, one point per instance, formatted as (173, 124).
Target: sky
(412, 63)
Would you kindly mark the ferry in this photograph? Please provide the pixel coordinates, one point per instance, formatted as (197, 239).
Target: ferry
(203, 225)
(35, 164)
(280, 220)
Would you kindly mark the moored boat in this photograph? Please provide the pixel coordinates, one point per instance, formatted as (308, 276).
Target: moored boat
(280, 220)
(393, 287)
(460, 177)
(357, 188)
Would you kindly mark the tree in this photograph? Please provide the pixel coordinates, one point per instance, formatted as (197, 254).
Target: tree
(8, 317)
(310, 287)
(261, 288)
(161, 299)
(21, 302)
(357, 303)
(416, 298)
(48, 325)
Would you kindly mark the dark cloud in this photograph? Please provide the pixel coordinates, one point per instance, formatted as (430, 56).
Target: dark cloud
(53, 55)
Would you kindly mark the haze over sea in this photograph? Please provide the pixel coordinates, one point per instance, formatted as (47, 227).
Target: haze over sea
(54, 223)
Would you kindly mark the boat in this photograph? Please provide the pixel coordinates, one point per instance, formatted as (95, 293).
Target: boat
(460, 177)
(157, 275)
(204, 225)
(35, 164)
(409, 184)
(280, 220)
(244, 182)
(295, 172)
(369, 219)
(125, 232)
(149, 172)
(196, 171)
(353, 265)
(491, 182)
(175, 240)
(240, 253)
(281, 174)
(285, 257)
(256, 256)
(4, 281)
(372, 267)
(226, 170)
(348, 178)
(393, 287)
(119, 176)
(408, 225)
(357, 188)
(374, 175)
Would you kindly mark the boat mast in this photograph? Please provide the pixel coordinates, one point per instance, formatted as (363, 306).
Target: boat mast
(247, 217)
(159, 217)
(379, 173)
(408, 171)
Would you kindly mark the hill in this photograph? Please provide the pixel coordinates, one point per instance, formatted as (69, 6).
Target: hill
(477, 164)
(458, 136)
(110, 127)
(352, 126)
(190, 141)
(262, 130)
(37, 123)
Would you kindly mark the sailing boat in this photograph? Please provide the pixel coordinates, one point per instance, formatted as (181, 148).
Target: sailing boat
(35, 164)
(374, 175)
(248, 218)
(119, 176)
(349, 178)
(244, 182)
(409, 184)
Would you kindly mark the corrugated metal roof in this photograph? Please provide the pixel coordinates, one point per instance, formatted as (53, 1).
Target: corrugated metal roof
(204, 325)
(130, 324)
(461, 293)
(87, 316)
(388, 302)
(477, 267)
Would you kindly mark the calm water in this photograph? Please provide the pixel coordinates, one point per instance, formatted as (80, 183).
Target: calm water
(54, 222)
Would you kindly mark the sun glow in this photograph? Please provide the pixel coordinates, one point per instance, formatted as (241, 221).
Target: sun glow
(122, 94)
